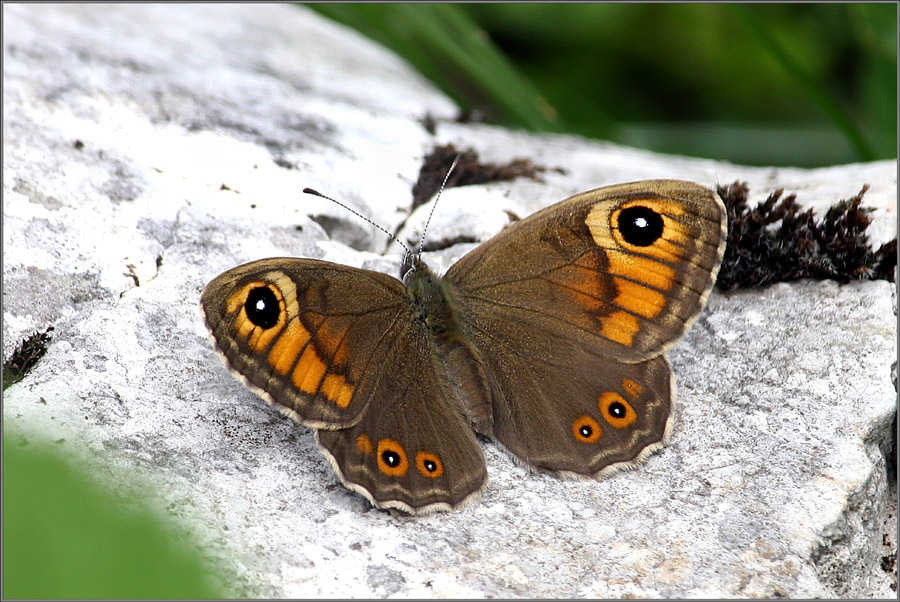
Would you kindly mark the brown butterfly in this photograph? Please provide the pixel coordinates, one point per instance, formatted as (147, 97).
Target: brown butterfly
(548, 338)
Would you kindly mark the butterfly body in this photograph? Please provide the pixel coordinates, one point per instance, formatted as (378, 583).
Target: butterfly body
(549, 338)
(436, 302)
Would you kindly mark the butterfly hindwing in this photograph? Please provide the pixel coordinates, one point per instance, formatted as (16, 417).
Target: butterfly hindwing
(414, 449)
(562, 409)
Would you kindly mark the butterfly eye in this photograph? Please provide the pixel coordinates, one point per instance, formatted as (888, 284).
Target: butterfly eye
(429, 465)
(640, 226)
(262, 307)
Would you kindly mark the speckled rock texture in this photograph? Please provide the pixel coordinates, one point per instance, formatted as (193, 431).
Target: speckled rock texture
(147, 148)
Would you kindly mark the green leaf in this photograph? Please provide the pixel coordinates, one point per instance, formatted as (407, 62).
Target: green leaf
(66, 537)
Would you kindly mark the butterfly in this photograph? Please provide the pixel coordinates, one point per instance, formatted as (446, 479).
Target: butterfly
(549, 339)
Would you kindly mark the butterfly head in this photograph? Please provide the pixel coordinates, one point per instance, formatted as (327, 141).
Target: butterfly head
(411, 266)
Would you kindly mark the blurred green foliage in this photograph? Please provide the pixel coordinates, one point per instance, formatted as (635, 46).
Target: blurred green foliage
(66, 537)
(765, 84)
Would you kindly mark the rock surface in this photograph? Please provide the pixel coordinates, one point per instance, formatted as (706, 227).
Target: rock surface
(150, 147)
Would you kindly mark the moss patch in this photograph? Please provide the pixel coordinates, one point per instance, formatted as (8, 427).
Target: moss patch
(468, 171)
(776, 241)
(26, 355)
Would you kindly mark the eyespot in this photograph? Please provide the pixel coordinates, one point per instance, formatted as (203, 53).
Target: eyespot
(392, 459)
(364, 444)
(639, 225)
(615, 410)
(632, 388)
(429, 465)
(586, 429)
(262, 307)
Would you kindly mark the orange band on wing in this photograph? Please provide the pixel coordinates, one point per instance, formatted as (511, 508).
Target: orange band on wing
(311, 376)
(642, 269)
(638, 299)
(309, 371)
(244, 327)
(335, 388)
(620, 326)
(288, 346)
(289, 338)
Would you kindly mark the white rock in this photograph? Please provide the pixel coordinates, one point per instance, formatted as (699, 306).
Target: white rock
(191, 117)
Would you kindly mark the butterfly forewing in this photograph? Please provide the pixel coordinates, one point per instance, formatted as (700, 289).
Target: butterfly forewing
(306, 334)
(586, 268)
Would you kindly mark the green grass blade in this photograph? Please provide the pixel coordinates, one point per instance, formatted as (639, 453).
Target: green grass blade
(449, 48)
(816, 90)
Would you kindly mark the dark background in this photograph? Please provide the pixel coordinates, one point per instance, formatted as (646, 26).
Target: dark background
(760, 84)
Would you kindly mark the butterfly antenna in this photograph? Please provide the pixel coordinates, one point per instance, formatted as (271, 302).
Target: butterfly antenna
(440, 190)
(359, 215)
